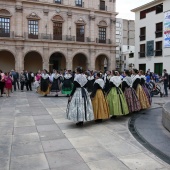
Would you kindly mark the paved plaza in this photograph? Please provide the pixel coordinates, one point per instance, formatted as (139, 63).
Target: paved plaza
(34, 135)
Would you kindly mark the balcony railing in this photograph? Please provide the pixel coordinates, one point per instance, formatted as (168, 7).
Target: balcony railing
(77, 3)
(7, 34)
(103, 7)
(158, 34)
(158, 52)
(142, 37)
(106, 41)
(58, 1)
(142, 54)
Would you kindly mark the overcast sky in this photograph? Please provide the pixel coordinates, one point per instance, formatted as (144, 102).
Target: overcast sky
(123, 7)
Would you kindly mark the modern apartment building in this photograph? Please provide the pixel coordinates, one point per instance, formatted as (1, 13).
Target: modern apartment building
(57, 34)
(152, 36)
(125, 39)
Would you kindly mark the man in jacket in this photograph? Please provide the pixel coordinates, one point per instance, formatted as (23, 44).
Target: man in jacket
(28, 80)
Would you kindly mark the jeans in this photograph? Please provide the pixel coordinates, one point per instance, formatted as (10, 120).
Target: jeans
(166, 89)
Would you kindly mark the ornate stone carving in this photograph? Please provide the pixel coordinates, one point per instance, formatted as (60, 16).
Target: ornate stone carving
(80, 21)
(69, 13)
(57, 18)
(18, 8)
(4, 12)
(46, 11)
(92, 17)
(102, 24)
(34, 16)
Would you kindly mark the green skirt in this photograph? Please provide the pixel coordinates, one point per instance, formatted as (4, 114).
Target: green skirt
(67, 90)
(117, 102)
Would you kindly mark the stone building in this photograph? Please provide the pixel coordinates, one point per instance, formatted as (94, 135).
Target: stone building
(60, 34)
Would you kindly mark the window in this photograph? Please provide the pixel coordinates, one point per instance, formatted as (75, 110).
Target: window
(159, 8)
(142, 33)
(117, 40)
(131, 55)
(158, 67)
(117, 32)
(102, 35)
(142, 67)
(124, 57)
(158, 51)
(79, 3)
(57, 31)
(33, 29)
(80, 33)
(102, 5)
(117, 24)
(142, 51)
(159, 30)
(58, 1)
(4, 27)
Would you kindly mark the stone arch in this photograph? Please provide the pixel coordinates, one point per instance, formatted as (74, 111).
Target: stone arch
(57, 18)
(102, 62)
(7, 60)
(102, 24)
(80, 59)
(4, 12)
(33, 16)
(33, 61)
(57, 61)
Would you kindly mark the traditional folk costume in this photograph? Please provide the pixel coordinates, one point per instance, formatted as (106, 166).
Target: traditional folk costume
(99, 102)
(80, 109)
(144, 102)
(116, 99)
(57, 79)
(37, 81)
(107, 83)
(90, 83)
(67, 84)
(142, 83)
(44, 85)
(130, 95)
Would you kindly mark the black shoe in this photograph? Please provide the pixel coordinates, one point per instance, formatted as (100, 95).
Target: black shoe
(45, 95)
(56, 95)
(79, 124)
(113, 117)
(98, 121)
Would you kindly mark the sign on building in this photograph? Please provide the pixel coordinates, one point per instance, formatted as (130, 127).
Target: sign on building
(167, 29)
(150, 48)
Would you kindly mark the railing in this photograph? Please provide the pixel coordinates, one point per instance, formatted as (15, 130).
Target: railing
(158, 52)
(77, 3)
(158, 34)
(142, 37)
(58, 1)
(142, 54)
(103, 7)
(106, 41)
(7, 34)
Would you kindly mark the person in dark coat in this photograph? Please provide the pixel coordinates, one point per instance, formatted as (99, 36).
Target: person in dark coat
(28, 79)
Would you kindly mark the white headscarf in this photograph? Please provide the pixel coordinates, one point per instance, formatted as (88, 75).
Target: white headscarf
(116, 80)
(81, 79)
(100, 82)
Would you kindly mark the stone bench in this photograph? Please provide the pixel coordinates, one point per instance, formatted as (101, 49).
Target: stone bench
(166, 116)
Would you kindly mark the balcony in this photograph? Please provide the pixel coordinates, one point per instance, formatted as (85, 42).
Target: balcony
(79, 3)
(80, 39)
(7, 34)
(106, 41)
(142, 37)
(158, 52)
(142, 54)
(158, 34)
(103, 7)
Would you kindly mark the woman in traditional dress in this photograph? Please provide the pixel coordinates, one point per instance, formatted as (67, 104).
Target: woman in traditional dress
(45, 84)
(67, 84)
(79, 108)
(130, 94)
(144, 102)
(8, 84)
(100, 105)
(90, 82)
(37, 80)
(143, 84)
(116, 99)
(107, 78)
(57, 79)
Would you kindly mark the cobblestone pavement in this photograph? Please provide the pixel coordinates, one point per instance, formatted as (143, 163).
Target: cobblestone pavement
(34, 135)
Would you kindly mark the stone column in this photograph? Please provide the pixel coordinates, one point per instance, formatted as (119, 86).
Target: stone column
(69, 62)
(92, 26)
(112, 64)
(92, 54)
(18, 20)
(19, 60)
(112, 29)
(46, 58)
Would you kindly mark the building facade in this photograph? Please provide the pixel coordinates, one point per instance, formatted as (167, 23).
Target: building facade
(150, 52)
(57, 34)
(125, 39)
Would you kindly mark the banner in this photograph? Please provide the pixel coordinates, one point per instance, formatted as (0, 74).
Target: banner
(167, 29)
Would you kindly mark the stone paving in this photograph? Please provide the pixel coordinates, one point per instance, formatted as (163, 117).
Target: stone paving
(34, 135)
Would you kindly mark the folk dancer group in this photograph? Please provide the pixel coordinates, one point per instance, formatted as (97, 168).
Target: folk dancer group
(112, 95)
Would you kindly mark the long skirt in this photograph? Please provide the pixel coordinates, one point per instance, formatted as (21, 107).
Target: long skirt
(144, 102)
(117, 102)
(46, 92)
(67, 87)
(147, 94)
(100, 106)
(80, 108)
(132, 100)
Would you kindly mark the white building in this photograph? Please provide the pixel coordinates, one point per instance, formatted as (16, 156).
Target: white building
(125, 39)
(150, 51)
